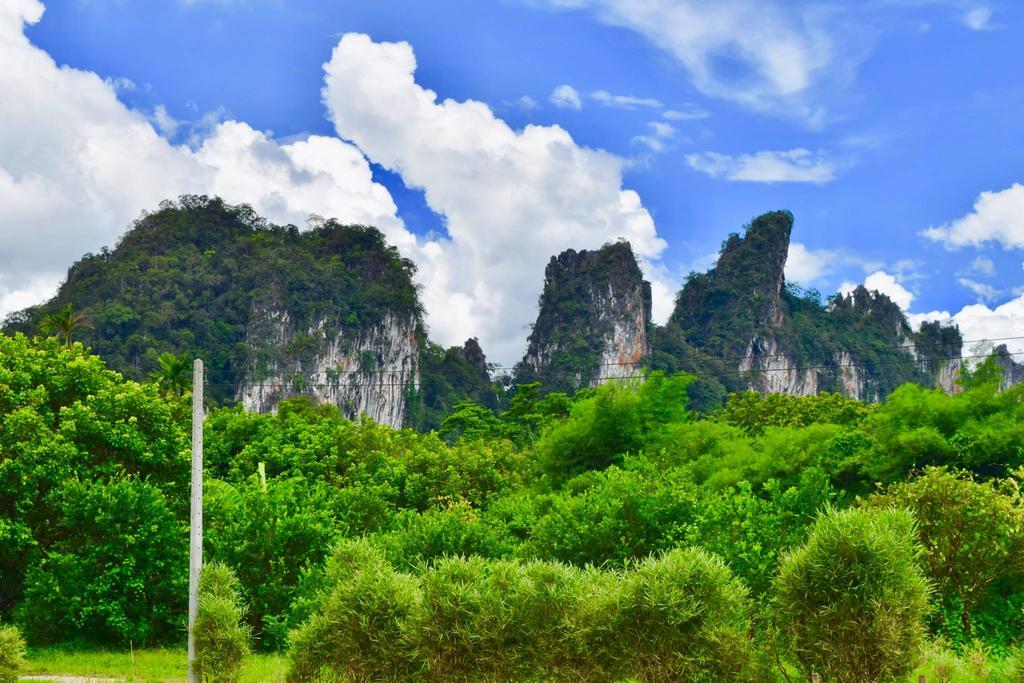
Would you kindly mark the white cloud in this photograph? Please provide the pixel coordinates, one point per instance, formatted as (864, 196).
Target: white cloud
(510, 198)
(76, 166)
(527, 103)
(881, 281)
(982, 266)
(623, 101)
(688, 113)
(982, 326)
(805, 265)
(984, 291)
(790, 166)
(164, 122)
(765, 54)
(978, 322)
(978, 18)
(566, 97)
(121, 83)
(996, 217)
(658, 137)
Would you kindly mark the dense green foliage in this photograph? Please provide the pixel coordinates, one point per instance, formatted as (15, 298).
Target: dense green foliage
(679, 616)
(972, 533)
(743, 307)
(93, 470)
(221, 637)
(601, 492)
(186, 279)
(852, 601)
(12, 654)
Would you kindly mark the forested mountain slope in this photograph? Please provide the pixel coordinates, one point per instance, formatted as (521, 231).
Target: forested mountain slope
(738, 326)
(333, 313)
(330, 312)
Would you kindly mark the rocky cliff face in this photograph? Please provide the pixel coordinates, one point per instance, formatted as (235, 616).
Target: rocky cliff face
(593, 322)
(1013, 372)
(778, 338)
(371, 371)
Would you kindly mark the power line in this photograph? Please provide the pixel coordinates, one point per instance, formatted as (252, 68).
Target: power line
(881, 349)
(285, 384)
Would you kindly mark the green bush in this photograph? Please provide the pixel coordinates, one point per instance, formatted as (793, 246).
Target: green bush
(494, 620)
(682, 617)
(221, 636)
(358, 631)
(852, 600)
(972, 533)
(12, 654)
(115, 571)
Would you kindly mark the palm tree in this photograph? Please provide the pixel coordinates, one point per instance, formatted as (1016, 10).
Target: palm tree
(172, 374)
(63, 323)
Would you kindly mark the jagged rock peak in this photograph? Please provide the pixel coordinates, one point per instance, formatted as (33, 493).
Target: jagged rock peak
(763, 246)
(1013, 372)
(593, 319)
(723, 309)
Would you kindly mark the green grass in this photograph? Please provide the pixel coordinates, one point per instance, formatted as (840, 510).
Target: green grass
(146, 665)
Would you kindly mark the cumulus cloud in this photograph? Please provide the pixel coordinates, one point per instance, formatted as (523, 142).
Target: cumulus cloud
(981, 266)
(881, 281)
(510, 198)
(805, 265)
(984, 326)
(527, 103)
(996, 217)
(790, 166)
(77, 165)
(566, 97)
(979, 322)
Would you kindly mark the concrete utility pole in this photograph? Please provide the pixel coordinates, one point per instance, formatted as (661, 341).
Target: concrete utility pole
(195, 550)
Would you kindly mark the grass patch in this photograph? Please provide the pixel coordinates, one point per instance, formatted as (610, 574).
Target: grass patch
(147, 665)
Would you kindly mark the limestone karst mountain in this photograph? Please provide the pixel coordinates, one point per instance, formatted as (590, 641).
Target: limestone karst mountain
(333, 313)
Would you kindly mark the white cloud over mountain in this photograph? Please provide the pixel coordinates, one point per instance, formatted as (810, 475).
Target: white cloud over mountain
(881, 281)
(77, 166)
(510, 198)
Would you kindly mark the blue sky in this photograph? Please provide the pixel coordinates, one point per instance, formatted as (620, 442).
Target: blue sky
(871, 121)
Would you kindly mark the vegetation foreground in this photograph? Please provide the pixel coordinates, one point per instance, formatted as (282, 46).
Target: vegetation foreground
(611, 535)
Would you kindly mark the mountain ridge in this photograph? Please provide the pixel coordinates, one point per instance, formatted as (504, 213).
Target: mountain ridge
(333, 313)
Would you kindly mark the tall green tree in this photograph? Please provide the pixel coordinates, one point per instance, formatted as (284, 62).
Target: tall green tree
(172, 373)
(63, 323)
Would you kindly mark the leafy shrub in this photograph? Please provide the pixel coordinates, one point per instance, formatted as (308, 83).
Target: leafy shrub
(358, 631)
(459, 530)
(221, 636)
(12, 654)
(972, 532)
(268, 537)
(682, 617)
(852, 600)
(116, 571)
(614, 421)
(494, 620)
